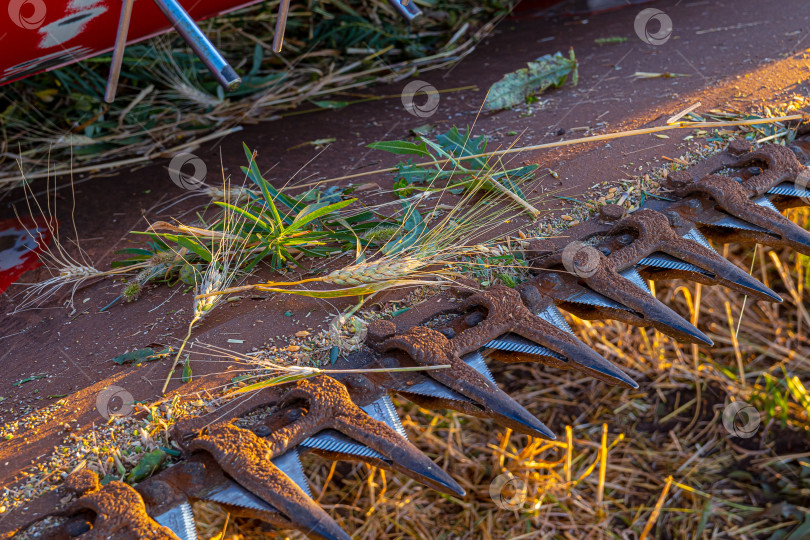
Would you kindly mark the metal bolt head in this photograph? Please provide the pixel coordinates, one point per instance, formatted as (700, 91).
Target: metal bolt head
(474, 318)
(379, 331)
(679, 179)
(625, 239)
(530, 295)
(262, 430)
(738, 147)
(552, 279)
(693, 203)
(449, 333)
(675, 219)
(611, 213)
(358, 384)
(389, 362)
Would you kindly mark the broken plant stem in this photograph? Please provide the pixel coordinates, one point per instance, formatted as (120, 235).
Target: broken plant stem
(582, 140)
(303, 372)
(516, 198)
(213, 280)
(177, 358)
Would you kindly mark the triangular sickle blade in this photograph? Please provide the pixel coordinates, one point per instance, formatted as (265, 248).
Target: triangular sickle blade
(372, 433)
(476, 361)
(718, 268)
(652, 309)
(766, 202)
(231, 493)
(239, 453)
(632, 275)
(330, 440)
(789, 189)
(590, 297)
(757, 217)
(496, 400)
(664, 318)
(432, 388)
(696, 236)
(180, 519)
(731, 222)
(514, 343)
(668, 262)
(290, 464)
(492, 398)
(567, 348)
(625, 290)
(552, 315)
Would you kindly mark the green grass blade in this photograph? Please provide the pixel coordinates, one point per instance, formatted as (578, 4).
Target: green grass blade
(249, 215)
(315, 211)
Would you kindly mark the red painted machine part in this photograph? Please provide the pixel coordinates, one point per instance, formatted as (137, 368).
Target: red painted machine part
(21, 242)
(40, 35)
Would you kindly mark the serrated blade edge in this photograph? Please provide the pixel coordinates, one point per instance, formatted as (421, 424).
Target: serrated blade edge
(290, 464)
(789, 189)
(432, 388)
(180, 519)
(632, 275)
(233, 494)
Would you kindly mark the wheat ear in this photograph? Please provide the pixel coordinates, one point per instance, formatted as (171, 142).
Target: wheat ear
(214, 279)
(373, 272)
(358, 274)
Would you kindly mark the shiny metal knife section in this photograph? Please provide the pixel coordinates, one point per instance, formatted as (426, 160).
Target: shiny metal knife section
(180, 520)
(668, 262)
(229, 492)
(733, 222)
(593, 298)
(513, 343)
(789, 189)
(552, 314)
(697, 236)
(632, 275)
(330, 440)
(290, 464)
(431, 388)
(662, 260)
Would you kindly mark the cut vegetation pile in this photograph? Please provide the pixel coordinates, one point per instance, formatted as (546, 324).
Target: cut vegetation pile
(166, 100)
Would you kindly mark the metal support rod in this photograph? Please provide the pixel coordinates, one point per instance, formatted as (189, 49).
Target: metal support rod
(407, 8)
(281, 25)
(200, 44)
(118, 51)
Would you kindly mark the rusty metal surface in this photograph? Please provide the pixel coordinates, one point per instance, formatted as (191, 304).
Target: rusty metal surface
(115, 510)
(235, 446)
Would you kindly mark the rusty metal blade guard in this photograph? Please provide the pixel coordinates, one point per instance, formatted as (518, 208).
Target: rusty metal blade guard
(736, 196)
